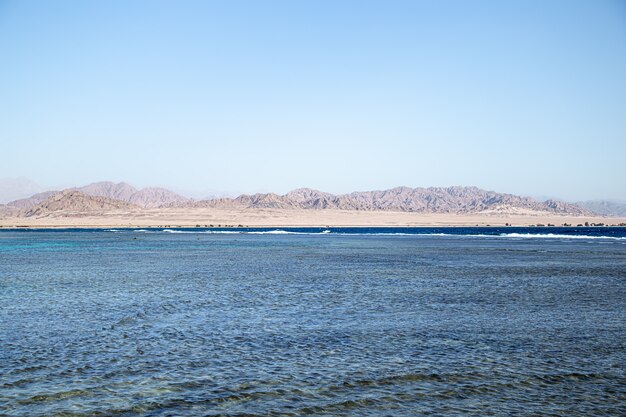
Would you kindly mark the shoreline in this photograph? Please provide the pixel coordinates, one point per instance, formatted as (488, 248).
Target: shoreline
(215, 218)
(237, 228)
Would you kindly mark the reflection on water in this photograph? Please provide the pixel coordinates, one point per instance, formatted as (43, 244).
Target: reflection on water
(160, 324)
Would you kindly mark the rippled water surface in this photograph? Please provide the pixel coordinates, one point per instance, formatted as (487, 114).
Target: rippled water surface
(324, 323)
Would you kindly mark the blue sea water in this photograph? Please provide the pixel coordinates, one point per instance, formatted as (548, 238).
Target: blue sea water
(313, 321)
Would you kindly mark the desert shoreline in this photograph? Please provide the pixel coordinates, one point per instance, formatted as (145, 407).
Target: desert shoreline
(220, 218)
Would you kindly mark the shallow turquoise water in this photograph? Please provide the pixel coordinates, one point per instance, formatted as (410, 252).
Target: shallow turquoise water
(136, 323)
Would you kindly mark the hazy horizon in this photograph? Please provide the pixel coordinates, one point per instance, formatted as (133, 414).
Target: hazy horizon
(208, 193)
(524, 98)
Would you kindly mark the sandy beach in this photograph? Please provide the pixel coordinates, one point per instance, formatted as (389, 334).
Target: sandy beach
(206, 217)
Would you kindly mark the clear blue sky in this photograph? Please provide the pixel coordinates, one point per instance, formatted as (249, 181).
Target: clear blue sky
(526, 97)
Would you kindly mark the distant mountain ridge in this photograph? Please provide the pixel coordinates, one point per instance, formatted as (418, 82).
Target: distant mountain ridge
(150, 197)
(32, 201)
(419, 200)
(457, 199)
(605, 208)
(77, 202)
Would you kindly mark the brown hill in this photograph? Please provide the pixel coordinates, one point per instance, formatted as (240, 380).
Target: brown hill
(146, 197)
(8, 211)
(419, 200)
(74, 202)
(459, 200)
(156, 197)
(32, 201)
(120, 191)
(309, 198)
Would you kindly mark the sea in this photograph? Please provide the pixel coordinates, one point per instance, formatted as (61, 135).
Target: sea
(313, 322)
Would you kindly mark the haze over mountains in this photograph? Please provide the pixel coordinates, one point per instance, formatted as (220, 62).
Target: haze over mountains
(16, 188)
(151, 197)
(109, 196)
(605, 208)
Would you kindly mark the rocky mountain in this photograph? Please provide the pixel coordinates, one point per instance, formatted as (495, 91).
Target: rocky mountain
(309, 198)
(419, 200)
(146, 197)
(153, 197)
(461, 200)
(117, 191)
(8, 211)
(72, 202)
(32, 201)
(15, 188)
(604, 208)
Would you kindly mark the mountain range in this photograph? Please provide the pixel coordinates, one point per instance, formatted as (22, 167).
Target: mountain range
(109, 196)
(150, 197)
(76, 202)
(419, 200)
(605, 208)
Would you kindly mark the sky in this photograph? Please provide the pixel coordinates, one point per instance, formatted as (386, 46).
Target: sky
(525, 97)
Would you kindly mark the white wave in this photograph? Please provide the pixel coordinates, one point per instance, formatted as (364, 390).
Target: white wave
(386, 234)
(241, 232)
(230, 232)
(502, 235)
(556, 236)
(279, 232)
(330, 232)
(291, 232)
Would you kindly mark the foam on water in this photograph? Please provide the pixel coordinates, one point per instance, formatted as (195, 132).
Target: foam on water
(392, 232)
(557, 236)
(231, 232)
(244, 232)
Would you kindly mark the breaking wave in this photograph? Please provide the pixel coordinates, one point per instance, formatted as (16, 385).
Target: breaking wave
(366, 232)
(556, 236)
(244, 232)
